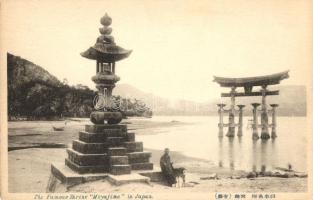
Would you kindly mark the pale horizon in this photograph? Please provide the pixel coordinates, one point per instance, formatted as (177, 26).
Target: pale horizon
(177, 47)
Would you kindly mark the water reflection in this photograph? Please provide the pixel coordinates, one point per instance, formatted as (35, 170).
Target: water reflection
(231, 155)
(220, 151)
(200, 139)
(240, 141)
(240, 151)
(273, 154)
(262, 154)
(254, 155)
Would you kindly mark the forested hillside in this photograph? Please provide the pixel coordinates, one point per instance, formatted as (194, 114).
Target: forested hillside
(34, 93)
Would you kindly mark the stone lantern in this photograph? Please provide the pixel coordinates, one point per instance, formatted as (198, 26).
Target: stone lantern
(106, 146)
(106, 53)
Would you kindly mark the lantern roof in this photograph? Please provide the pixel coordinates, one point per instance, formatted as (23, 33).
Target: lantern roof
(105, 49)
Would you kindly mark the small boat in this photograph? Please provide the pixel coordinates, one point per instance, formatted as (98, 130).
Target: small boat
(60, 128)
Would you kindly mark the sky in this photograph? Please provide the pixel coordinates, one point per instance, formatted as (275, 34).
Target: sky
(178, 46)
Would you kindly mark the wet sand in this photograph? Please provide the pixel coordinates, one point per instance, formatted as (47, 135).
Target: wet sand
(29, 169)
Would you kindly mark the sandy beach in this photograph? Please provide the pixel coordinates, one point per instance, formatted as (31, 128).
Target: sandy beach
(31, 155)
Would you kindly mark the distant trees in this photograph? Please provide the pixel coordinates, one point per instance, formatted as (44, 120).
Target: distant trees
(35, 94)
(40, 101)
(131, 107)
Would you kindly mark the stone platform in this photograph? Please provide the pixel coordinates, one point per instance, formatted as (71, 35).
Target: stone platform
(70, 178)
(128, 178)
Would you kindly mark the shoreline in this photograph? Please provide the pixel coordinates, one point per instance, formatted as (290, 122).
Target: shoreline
(29, 169)
(27, 164)
(80, 119)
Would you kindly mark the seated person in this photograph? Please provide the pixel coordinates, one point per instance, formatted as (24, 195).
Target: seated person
(167, 168)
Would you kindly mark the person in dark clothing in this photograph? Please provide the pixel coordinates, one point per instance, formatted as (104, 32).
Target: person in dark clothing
(167, 168)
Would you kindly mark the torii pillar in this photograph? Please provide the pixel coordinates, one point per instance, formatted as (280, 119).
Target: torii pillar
(274, 122)
(264, 115)
(255, 134)
(231, 121)
(239, 133)
(221, 123)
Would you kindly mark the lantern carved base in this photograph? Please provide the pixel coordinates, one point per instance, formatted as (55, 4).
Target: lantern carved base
(100, 117)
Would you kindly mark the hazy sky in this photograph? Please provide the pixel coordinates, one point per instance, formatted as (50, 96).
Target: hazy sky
(177, 45)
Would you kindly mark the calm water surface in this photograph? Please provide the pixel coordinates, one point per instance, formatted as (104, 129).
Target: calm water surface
(200, 139)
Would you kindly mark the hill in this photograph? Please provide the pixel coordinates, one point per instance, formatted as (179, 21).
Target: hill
(289, 103)
(36, 94)
(33, 93)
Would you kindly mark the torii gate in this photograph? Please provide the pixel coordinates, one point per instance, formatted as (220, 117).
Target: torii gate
(248, 83)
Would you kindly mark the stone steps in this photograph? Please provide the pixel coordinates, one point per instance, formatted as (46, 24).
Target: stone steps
(89, 148)
(109, 133)
(87, 159)
(138, 157)
(103, 128)
(130, 137)
(142, 166)
(102, 137)
(92, 137)
(107, 149)
(133, 146)
(118, 160)
(120, 169)
(114, 141)
(81, 169)
(116, 151)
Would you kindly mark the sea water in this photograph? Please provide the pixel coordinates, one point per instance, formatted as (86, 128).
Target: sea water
(199, 138)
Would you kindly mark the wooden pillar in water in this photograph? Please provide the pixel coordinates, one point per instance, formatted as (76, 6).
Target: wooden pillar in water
(239, 133)
(231, 119)
(274, 123)
(264, 116)
(220, 114)
(255, 134)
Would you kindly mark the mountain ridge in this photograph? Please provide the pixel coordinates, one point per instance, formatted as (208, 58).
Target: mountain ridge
(288, 104)
(25, 75)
